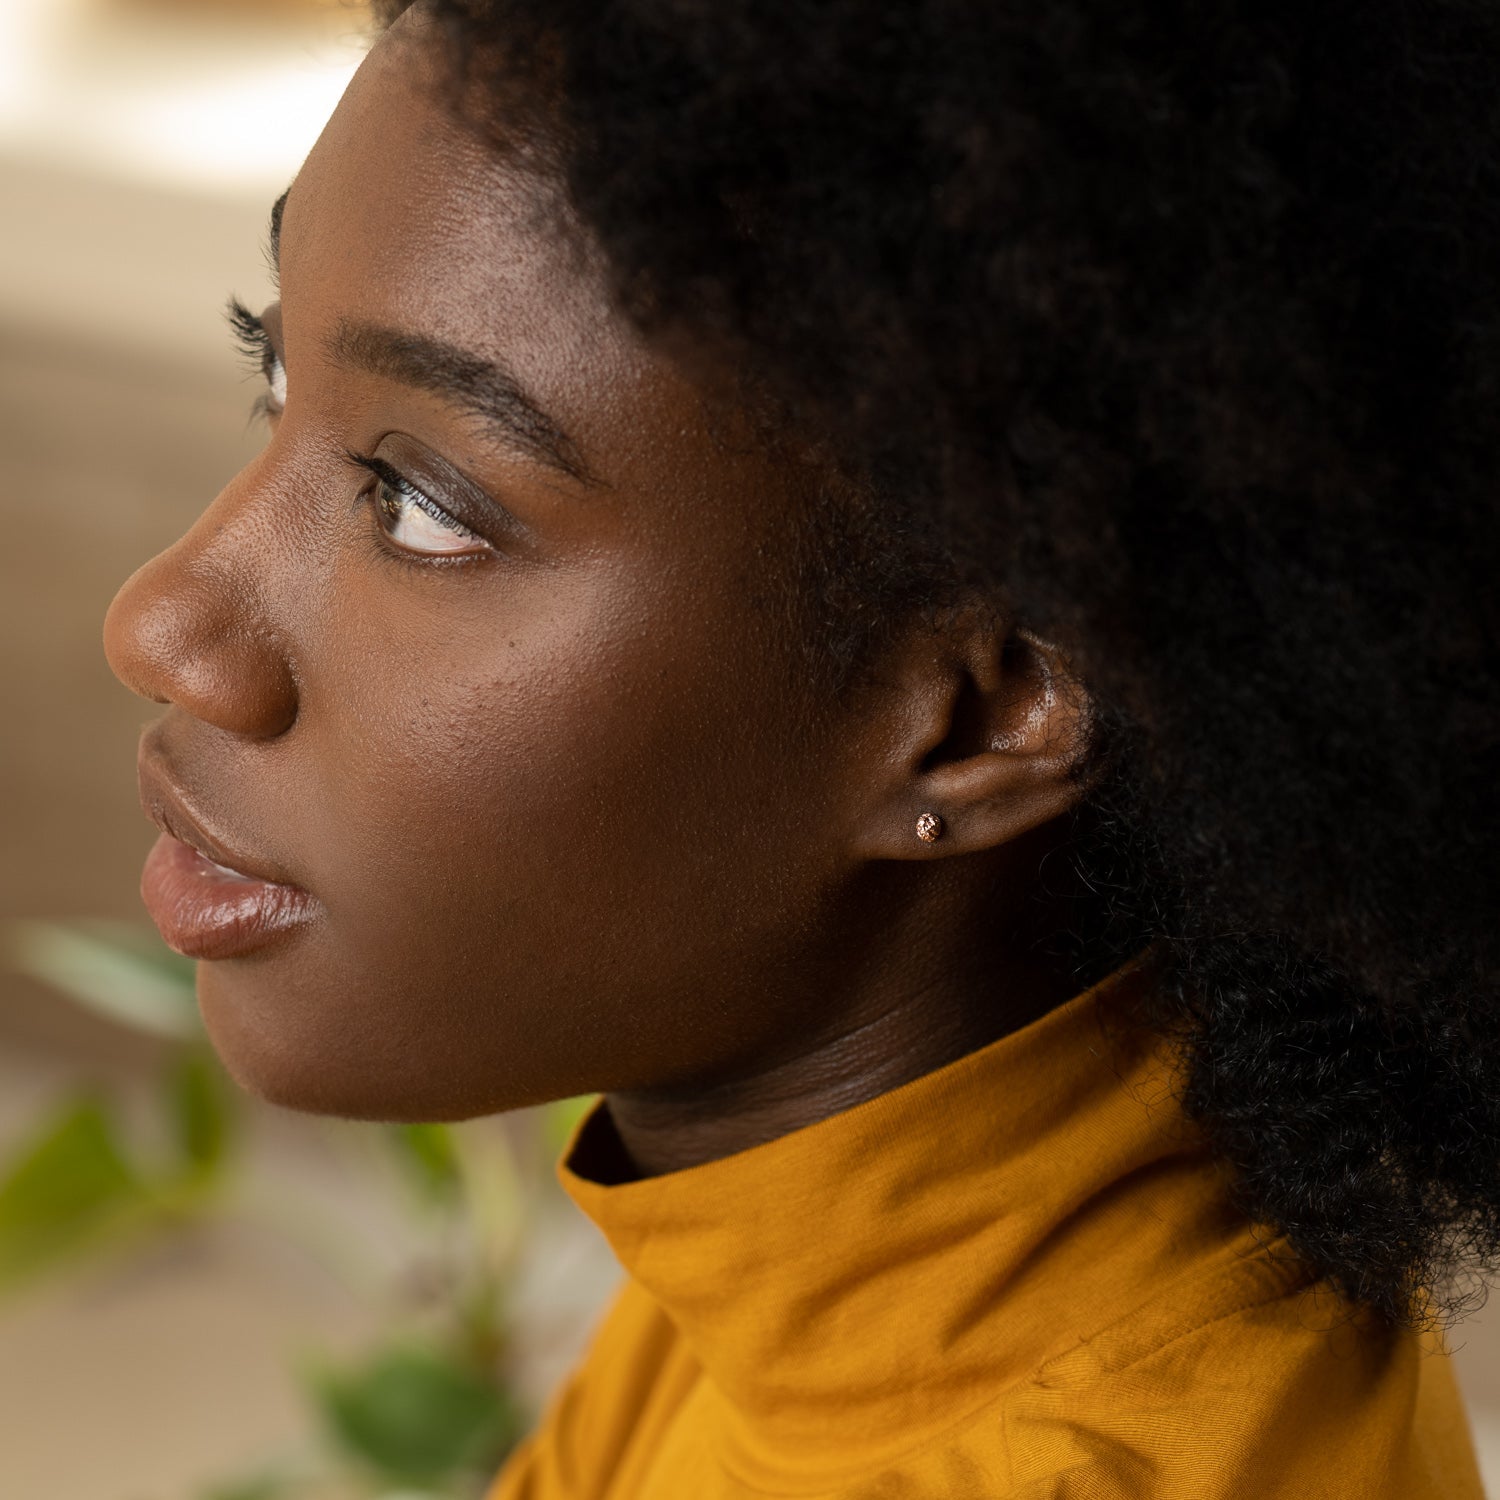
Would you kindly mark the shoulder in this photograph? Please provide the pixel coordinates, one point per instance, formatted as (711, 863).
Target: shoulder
(1240, 1382)
(1244, 1382)
(617, 1403)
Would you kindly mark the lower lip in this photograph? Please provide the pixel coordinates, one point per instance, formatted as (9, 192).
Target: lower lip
(205, 911)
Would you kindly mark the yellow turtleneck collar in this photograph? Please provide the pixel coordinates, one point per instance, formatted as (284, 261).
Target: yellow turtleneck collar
(855, 1287)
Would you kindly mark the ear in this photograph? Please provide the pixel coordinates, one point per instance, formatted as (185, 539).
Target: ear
(978, 723)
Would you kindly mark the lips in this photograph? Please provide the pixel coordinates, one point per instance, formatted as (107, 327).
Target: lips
(206, 901)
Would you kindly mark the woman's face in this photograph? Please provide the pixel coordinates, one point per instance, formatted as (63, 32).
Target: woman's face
(485, 664)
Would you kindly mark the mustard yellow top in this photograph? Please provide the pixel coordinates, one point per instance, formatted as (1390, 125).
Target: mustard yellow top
(1017, 1277)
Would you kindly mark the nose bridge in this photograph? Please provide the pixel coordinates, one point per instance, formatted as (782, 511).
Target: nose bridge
(197, 626)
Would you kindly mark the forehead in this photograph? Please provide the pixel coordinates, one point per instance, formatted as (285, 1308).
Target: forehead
(405, 217)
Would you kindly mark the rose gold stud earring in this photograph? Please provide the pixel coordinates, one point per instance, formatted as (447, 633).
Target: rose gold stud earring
(929, 828)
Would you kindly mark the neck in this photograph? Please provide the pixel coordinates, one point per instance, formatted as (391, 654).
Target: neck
(946, 977)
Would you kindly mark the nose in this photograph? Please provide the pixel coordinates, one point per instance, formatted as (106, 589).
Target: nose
(191, 628)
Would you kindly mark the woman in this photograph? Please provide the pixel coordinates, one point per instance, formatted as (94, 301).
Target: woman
(907, 593)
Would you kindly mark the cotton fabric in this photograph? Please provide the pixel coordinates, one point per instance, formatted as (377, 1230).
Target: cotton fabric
(1018, 1277)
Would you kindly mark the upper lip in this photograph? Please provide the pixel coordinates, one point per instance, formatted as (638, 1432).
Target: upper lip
(167, 805)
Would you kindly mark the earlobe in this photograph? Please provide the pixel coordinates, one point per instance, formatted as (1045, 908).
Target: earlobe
(988, 728)
(929, 827)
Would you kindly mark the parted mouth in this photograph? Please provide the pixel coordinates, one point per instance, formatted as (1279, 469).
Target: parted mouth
(169, 808)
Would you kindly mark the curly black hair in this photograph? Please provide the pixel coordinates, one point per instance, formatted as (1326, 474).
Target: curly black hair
(1176, 326)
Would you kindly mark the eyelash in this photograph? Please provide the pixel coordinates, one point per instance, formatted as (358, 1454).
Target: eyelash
(254, 344)
(397, 481)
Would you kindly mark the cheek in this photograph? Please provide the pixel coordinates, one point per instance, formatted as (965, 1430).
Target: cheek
(541, 844)
(509, 756)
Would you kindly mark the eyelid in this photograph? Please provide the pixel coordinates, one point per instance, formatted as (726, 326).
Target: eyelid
(372, 463)
(453, 491)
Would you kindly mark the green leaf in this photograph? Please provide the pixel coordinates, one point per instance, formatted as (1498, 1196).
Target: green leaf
(200, 1110)
(429, 1154)
(416, 1417)
(66, 1191)
(116, 970)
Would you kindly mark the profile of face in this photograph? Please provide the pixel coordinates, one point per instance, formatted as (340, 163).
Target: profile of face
(482, 682)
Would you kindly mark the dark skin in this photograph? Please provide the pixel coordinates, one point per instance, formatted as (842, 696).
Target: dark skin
(573, 815)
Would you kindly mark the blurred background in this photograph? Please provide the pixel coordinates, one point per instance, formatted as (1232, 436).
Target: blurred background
(202, 1297)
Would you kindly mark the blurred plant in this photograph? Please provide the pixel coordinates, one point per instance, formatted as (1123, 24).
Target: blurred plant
(429, 1412)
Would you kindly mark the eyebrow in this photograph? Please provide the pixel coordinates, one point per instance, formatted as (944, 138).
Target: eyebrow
(477, 385)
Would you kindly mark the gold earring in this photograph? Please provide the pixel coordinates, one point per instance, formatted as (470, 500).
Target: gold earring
(929, 828)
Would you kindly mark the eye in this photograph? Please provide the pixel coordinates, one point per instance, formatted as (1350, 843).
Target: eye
(274, 401)
(413, 521)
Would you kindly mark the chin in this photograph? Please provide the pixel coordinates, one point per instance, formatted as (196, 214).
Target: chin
(322, 1055)
(259, 1031)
